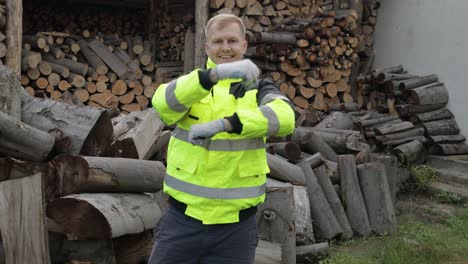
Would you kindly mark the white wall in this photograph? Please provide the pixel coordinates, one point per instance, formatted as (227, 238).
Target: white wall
(428, 36)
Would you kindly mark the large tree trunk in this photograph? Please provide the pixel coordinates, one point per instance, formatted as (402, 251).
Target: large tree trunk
(10, 100)
(337, 120)
(267, 253)
(409, 109)
(104, 215)
(441, 127)
(288, 150)
(77, 174)
(351, 195)
(275, 221)
(22, 141)
(131, 249)
(79, 130)
(411, 152)
(311, 142)
(321, 212)
(22, 221)
(14, 32)
(443, 113)
(449, 149)
(427, 95)
(390, 163)
(374, 186)
(136, 134)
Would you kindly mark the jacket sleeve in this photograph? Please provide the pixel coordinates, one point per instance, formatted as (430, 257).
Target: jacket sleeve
(274, 115)
(173, 100)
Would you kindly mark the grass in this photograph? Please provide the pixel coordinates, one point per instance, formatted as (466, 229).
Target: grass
(415, 242)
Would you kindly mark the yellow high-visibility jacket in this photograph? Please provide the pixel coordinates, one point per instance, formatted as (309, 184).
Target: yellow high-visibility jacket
(227, 173)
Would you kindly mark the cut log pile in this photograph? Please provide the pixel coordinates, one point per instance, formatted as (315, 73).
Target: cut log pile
(100, 58)
(3, 20)
(95, 173)
(419, 121)
(309, 53)
(366, 39)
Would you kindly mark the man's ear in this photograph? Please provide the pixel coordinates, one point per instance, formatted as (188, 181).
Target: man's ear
(244, 46)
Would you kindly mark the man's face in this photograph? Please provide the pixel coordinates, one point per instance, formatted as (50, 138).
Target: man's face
(225, 44)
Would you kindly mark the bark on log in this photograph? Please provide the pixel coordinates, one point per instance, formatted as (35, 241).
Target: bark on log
(189, 55)
(414, 132)
(79, 130)
(325, 221)
(275, 221)
(376, 192)
(409, 153)
(77, 174)
(22, 222)
(136, 134)
(22, 141)
(441, 127)
(14, 169)
(449, 149)
(282, 170)
(10, 101)
(351, 195)
(380, 120)
(427, 96)
(267, 253)
(109, 58)
(288, 150)
(397, 142)
(311, 143)
(391, 171)
(334, 201)
(104, 216)
(201, 17)
(73, 66)
(92, 58)
(393, 128)
(336, 120)
(14, 32)
(312, 253)
(446, 139)
(131, 249)
(405, 110)
(416, 82)
(443, 113)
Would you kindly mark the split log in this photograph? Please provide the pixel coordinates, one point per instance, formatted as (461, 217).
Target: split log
(409, 109)
(325, 221)
(23, 141)
(312, 253)
(312, 143)
(22, 222)
(441, 139)
(427, 96)
(410, 153)
(79, 174)
(393, 128)
(288, 150)
(104, 216)
(302, 217)
(449, 149)
(79, 130)
(334, 201)
(282, 170)
(275, 221)
(376, 192)
(442, 113)
(351, 195)
(267, 253)
(441, 127)
(136, 134)
(109, 58)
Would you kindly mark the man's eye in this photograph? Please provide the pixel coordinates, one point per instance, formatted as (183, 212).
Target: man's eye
(232, 41)
(218, 42)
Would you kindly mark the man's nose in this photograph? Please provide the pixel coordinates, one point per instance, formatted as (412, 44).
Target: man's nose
(225, 45)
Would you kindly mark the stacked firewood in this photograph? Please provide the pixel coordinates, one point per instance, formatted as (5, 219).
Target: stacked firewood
(366, 38)
(101, 59)
(3, 46)
(89, 197)
(309, 53)
(418, 121)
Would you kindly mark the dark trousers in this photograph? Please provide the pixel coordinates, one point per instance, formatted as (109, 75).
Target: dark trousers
(181, 239)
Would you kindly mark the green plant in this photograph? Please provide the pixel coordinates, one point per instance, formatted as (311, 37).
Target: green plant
(447, 198)
(421, 176)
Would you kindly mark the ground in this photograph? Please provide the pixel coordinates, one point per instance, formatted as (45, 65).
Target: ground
(429, 232)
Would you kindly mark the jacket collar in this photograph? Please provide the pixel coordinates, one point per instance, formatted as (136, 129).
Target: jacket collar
(210, 64)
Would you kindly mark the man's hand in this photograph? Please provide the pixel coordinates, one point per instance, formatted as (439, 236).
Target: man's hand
(244, 69)
(207, 130)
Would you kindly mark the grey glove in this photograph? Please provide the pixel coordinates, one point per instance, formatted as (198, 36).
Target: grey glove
(244, 69)
(206, 130)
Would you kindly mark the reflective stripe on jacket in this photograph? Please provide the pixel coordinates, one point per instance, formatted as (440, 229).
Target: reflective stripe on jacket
(227, 173)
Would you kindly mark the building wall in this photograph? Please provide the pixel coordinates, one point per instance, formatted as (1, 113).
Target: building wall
(428, 36)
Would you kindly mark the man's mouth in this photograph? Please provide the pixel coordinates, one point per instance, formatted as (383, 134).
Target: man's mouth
(226, 57)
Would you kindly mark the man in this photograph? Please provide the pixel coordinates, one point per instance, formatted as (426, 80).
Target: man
(216, 161)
